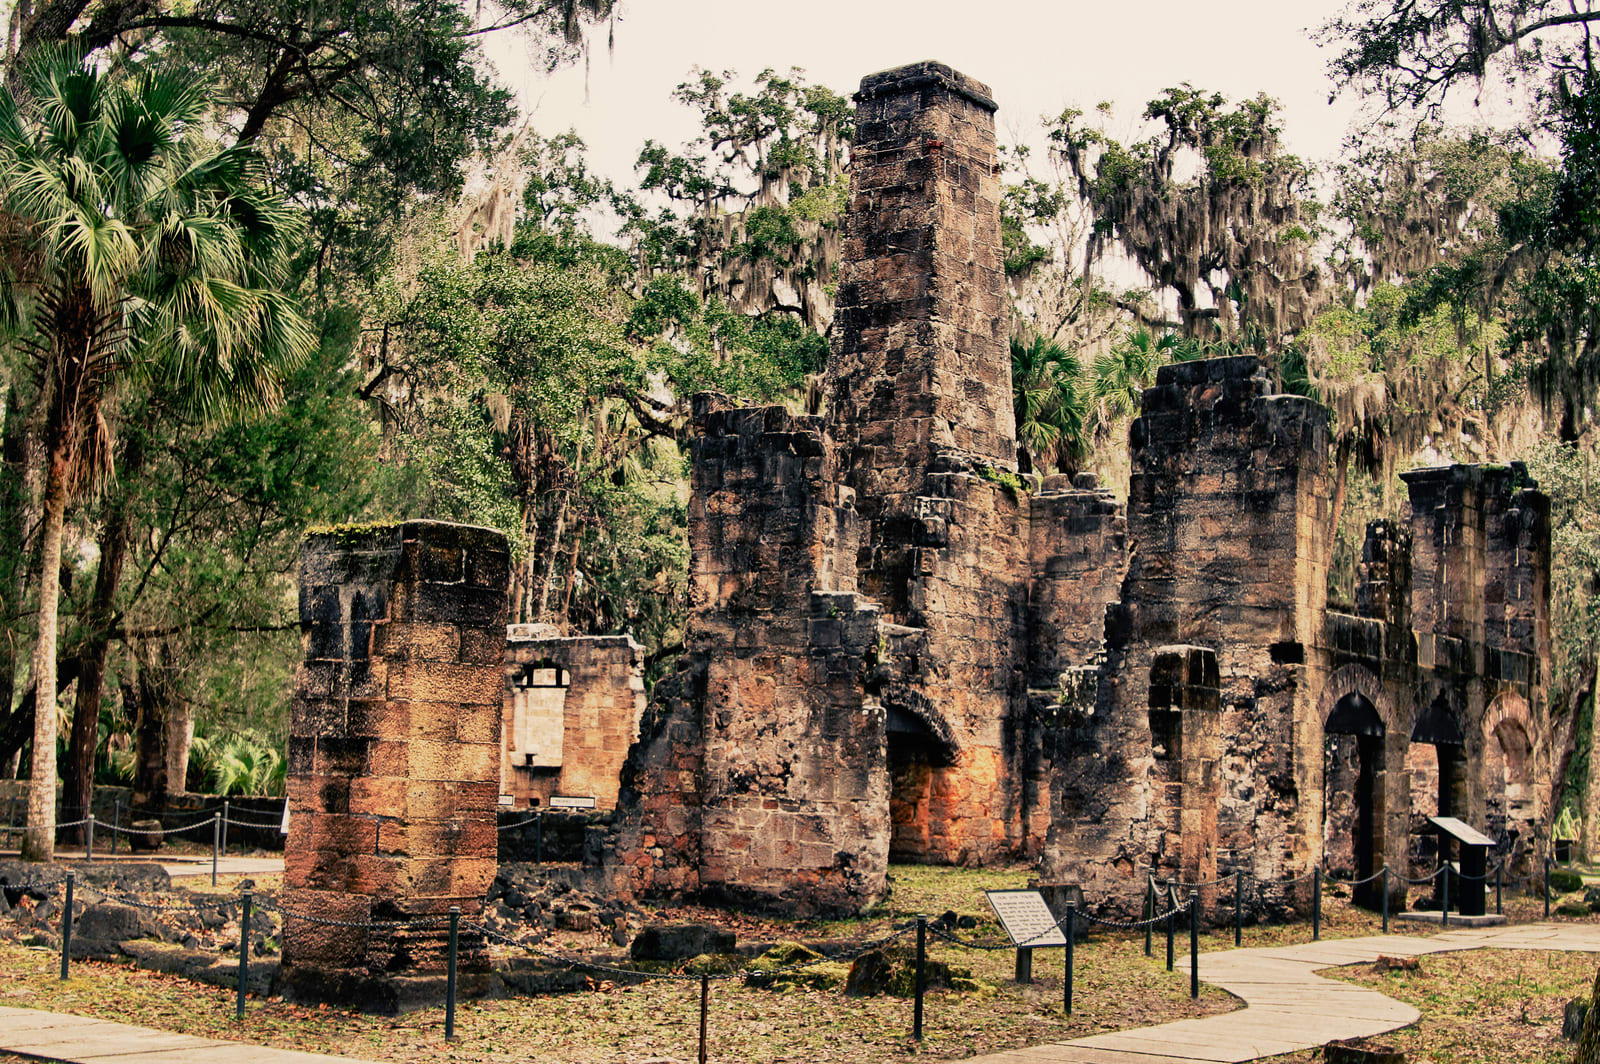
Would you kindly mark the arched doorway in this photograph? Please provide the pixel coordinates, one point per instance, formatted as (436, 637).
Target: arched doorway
(1438, 765)
(1352, 774)
(1510, 807)
(918, 755)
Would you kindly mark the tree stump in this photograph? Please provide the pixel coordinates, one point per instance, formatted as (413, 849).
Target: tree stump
(1359, 1051)
(147, 837)
(1589, 1040)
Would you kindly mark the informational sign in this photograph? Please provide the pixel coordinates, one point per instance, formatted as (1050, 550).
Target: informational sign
(507, 801)
(1026, 918)
(571, 801)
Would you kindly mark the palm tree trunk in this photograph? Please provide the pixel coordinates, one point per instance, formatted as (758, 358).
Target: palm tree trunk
(40, 841)
(78, 773)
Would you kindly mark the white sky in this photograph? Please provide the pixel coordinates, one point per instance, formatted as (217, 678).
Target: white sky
(1037, 57)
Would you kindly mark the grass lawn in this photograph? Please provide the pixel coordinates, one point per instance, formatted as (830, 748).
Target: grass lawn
(1117, 987)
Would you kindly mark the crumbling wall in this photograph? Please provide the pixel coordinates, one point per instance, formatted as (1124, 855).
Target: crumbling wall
(1480, 605)
(761, 776)
(394, 747)
(1227, 514)
(572, 710)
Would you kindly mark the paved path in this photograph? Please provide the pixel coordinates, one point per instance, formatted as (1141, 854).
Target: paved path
(54, 1036)
(177, 866)
(1287, 1006)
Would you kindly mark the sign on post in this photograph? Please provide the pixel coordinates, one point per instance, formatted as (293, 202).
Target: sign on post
(1026, 918)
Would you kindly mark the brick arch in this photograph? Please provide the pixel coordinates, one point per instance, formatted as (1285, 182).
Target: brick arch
(1506, 776)
(1355, 679)
(1508, 706)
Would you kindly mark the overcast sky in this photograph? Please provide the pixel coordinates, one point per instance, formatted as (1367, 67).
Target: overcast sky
(1037, 57)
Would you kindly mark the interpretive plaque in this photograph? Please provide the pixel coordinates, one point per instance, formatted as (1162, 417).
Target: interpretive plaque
(1026, 918)
(572, 801)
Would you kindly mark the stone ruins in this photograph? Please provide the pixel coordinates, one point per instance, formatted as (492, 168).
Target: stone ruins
(572, 710)
(899, 648)
(394, 750)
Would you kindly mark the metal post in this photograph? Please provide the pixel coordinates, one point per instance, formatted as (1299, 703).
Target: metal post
(216, 841)
(1316, 901)
(1238, 908)
(66, 925)
(116, 822)
(1149, 911)
(1499, 886)
(1171, 916)
(538, 838)
(1386, 899)
(1444, 909)
(450, 976)
(1024, 972)
(88, 839)
(227, 814)
(244, 953)
(1547, 886)
(921, 979)
(705, 1008)
(1072, 936)
(1194, 943)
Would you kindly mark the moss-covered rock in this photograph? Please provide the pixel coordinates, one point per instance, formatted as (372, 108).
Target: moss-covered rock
(893, 971)
(714, 964)
(1564, 881)
(792, 966)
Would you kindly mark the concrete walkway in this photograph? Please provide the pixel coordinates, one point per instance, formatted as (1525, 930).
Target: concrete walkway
(176, 865)
(54, 1036)
(1287, 1006)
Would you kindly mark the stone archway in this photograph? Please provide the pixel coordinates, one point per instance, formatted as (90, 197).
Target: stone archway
(1436, 765)
(1506, 778)
(1356, 717)
(922, 753)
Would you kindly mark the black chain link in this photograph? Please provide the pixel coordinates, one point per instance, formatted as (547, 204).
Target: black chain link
(518, 824)
(1135, 925)
(427, 922)
(738, 973)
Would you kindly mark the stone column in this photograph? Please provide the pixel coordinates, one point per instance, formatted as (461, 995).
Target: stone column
(394, 760)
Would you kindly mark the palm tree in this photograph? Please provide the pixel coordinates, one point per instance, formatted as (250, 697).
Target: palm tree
(1049, 403)
(134, 253)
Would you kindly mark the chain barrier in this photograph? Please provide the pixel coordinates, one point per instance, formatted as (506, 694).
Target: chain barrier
(1357, 882)
(129, 900)
(1133, 925)
(1180, 884)
(738, 973)
(249, 823)
(119, 829)
(1418, 882)
(429, 922)
(518, 824)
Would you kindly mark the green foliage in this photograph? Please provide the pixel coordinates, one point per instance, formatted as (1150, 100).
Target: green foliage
(1050, 402)
(1570, 475)
(1209, 207)
(1009, 481)
(242, 762)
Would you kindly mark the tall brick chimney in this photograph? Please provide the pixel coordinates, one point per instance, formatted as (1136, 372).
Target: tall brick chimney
(920, 381)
